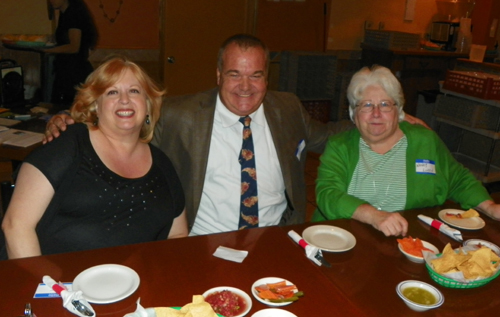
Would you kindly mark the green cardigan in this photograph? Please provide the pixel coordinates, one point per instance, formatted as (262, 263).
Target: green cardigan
(451, 181)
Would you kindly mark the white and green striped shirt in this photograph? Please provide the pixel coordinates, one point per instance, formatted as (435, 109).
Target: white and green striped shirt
(380, 179)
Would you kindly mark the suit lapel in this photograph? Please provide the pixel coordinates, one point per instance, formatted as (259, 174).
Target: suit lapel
(275, 121)
(200, 142)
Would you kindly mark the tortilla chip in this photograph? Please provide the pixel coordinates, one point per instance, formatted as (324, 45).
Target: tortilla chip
(449, 261)
(494, 257)
(198, 308)
(471, 270)
(470, 213)
(167, 312)
(477, 263)
(413, 246)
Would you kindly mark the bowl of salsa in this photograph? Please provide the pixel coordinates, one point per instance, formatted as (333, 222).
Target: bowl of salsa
(228, 301)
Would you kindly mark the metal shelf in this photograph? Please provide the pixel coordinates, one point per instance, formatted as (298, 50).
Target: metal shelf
(483, 171)
(494, 103)
(477, 168)
(487, 133)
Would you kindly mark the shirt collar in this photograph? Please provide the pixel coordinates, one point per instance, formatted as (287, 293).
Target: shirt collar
(228, 118)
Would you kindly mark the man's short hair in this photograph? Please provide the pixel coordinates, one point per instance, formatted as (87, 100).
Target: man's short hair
(244, 41)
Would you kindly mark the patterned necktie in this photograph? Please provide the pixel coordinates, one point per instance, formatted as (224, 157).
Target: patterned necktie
(249, 208)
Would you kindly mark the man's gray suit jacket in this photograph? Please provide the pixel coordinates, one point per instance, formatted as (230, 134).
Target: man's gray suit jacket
(184, 130)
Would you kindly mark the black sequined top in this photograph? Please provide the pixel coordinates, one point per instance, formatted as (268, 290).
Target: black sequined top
(93, 207)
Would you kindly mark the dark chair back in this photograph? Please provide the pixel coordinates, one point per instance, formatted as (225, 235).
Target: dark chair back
(6, 189)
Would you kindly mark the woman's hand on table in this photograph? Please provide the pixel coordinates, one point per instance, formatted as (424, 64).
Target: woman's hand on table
(390, 223)
(56, 124)
(491, 209)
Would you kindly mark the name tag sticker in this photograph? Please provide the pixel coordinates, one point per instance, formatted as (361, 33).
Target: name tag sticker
(425, 167)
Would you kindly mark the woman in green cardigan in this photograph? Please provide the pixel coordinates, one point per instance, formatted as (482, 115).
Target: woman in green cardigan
(387, 165)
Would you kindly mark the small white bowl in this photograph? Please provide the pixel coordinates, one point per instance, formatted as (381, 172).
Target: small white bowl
(267, 280)
(236, 291)
(479, 242)
(418, 259)
(415, 306)
(273, 312)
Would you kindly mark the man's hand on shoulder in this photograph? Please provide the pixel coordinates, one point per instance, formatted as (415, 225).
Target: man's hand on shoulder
(56, 124)
(414, 120)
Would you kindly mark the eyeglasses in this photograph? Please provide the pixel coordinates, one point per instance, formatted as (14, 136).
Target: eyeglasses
(368, 106)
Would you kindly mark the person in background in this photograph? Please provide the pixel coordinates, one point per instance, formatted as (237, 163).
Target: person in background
(202, 135)
(386, 165)
(100, 184)
(76, 35)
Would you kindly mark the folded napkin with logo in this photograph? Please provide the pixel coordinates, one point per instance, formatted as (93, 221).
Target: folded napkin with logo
(72, 300)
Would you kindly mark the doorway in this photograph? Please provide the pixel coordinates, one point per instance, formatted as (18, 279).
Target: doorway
(190, 35)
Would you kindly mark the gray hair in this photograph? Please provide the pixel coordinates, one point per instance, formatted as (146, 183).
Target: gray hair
(375, 76)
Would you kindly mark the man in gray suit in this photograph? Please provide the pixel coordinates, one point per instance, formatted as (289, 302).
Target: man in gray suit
(201, 135)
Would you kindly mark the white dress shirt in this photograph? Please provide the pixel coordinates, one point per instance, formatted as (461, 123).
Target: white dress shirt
(220, 201)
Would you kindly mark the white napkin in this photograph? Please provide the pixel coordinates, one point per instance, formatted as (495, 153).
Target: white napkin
(453, 233)
(141, 311)
(68, 296)
(311, 251)
(230, 254)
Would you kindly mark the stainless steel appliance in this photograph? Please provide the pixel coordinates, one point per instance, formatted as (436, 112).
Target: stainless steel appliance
(445, 33)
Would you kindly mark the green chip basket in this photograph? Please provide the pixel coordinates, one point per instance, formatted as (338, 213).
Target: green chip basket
(450, 283)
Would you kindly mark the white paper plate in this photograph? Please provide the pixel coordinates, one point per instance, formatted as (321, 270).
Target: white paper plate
(329, 238)
(474, 223)
(107, 283)
(273, 312)
(484, 243)
(267, 280)
(236, 291)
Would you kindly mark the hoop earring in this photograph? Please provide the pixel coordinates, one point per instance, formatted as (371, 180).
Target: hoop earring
(147, 119)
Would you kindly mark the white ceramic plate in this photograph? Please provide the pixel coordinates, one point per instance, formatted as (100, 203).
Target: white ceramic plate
(273, 312)
(267, 280)
(107, 283)
(329, 238)
(418, 259)
(236, 291)
(484, 243)
(474, 223)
